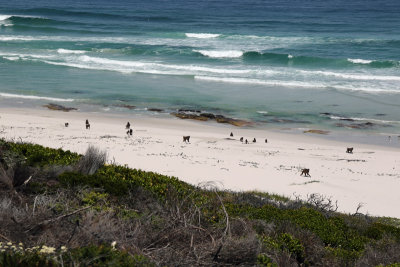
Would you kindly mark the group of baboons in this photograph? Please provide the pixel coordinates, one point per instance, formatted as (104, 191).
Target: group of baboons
(127, 127)
(186, 139)
(246, 141)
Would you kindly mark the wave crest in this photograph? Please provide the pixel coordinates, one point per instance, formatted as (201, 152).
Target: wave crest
(202, 35)
(359, 61)
(220, 53)
(6, 95)
(67, 51)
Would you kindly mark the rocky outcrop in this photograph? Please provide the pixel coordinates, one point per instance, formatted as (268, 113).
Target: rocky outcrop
(197, 115)
(58, 107)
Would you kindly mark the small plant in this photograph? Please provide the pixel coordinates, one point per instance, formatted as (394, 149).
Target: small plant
(91, 161)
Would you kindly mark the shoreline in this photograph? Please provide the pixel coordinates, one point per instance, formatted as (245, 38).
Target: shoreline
(370, 175)
(368, 135)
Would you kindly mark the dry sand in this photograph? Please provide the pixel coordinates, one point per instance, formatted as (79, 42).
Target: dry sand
(371, 175)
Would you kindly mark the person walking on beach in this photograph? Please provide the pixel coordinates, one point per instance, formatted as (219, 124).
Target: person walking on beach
(128, 125)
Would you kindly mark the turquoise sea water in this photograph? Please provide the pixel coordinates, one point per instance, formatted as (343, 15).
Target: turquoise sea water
(299, 64)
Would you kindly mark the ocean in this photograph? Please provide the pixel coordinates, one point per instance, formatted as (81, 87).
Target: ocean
(332, 65)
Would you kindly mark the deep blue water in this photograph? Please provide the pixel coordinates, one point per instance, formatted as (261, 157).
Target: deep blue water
(275, 62)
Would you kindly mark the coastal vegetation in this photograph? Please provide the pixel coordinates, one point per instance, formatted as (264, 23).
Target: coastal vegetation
(58, 208)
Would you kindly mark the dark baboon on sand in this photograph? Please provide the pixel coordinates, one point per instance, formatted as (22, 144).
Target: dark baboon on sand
(306, 172)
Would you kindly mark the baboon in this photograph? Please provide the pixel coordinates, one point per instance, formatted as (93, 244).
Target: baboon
(266, 140)
(231, 134)
(254, 140)
(306, 172)
(246, 141)
(186, 139)
(349, 150)
(66, 124)
(241, 139)
(87, 124)
(128, 125)
(130, 131)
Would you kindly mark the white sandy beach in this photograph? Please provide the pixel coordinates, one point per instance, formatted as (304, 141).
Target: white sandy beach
(371, 175)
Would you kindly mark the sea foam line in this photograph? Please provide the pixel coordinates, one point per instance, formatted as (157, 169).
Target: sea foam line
(361, 119)
(262, 82)
(67, 51)
(144, 67)
(202, 35)
(294, 84)
(220, 53)
(359, 61)
(6, 95)
(353, 76)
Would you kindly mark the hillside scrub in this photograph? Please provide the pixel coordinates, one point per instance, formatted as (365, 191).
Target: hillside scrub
(58, 208)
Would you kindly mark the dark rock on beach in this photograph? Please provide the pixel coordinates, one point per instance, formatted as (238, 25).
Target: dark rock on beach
(316, 131)
(58, 107)
(182, 115)
(364, 125)
(189, 110)
(130, 107)
(346, 119)
(210, 116)
(155, 109)
(279, 120)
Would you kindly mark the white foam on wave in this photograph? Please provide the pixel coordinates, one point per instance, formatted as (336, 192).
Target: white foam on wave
(67, 51)
(295, 84)
(88, 62)
(220, 54)
(361, 119)
(6, 95)
(261, 82)
(24, 56)
(5, 17)
(290, 56)
(359, 61)
(202, 35)
(354, 76)
(262, 112)
(12, 58)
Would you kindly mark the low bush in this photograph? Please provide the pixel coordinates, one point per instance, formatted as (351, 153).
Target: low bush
(37, 155)
(94, 256)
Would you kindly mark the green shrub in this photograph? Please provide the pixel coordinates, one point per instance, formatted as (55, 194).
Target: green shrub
(286, 242)
(104, 256)
(264, 260)
(117, 180)
(94, 256)
(37, 155)
(344, 255)
(333, 231)
(377, 230)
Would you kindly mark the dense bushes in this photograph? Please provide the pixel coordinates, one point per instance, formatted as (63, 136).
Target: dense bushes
(180, 224)
(94, 256)
(37, 155)
(117, 180)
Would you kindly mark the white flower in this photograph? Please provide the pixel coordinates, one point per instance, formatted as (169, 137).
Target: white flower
(47, 250)
(113, 244)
